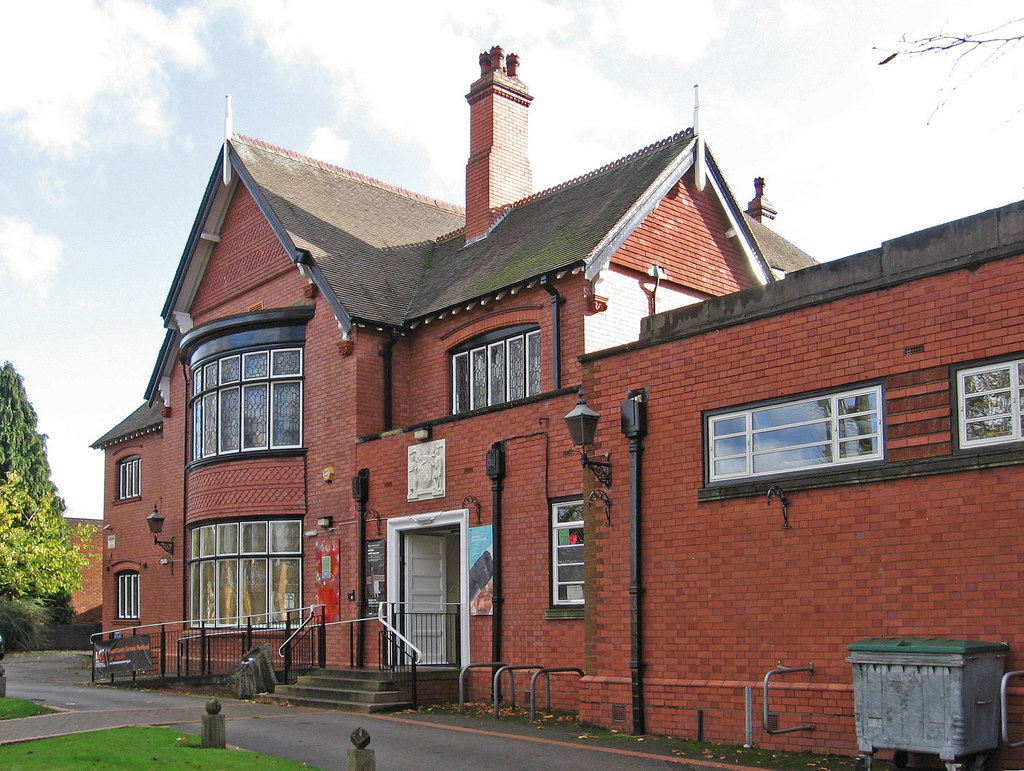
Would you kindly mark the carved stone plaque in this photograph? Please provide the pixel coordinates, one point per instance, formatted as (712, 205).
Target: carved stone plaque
(426, 470)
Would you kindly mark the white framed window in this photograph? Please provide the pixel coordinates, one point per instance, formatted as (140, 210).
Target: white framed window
(128, 594)
(245, 572)
(990, 403)
(799, 435)
(495, 368)
(129, 478)
(247, 402)
(567, 553)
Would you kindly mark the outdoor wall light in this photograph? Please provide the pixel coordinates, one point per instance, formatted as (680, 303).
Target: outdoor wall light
(156, 526)
(582, 425)
(325, 522)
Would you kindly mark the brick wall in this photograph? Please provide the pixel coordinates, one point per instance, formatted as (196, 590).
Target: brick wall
(728, 592)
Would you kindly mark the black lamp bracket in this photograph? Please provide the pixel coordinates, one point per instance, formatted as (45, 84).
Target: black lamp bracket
(602, 470)
(167, 546)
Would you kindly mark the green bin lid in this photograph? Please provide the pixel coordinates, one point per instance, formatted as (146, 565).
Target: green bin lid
(925, 645)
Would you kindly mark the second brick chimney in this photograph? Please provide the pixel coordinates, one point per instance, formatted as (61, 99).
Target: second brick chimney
(761, 208)
(498, 171)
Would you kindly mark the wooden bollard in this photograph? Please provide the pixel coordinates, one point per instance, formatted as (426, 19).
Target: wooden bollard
(361, 758)
(213, 726)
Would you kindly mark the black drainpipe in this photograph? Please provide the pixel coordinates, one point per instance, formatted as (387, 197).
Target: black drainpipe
(386, 353)
(634, 427)
(556, 330)
(361, 493)
(496, 471)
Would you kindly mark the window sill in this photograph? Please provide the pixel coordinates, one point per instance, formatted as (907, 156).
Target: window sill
(961, 461)
(564, 612)
(234, 457)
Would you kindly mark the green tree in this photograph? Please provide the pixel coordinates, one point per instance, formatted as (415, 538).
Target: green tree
(38, 556)
(22, 447)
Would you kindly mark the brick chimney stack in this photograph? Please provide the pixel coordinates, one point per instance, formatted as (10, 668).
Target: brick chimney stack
(498, 171)
(761, 208)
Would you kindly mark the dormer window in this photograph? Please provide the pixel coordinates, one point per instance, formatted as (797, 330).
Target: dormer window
(495, 368)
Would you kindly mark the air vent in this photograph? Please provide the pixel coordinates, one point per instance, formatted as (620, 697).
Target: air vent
(912, 349)
(257, 307)
(618, 713)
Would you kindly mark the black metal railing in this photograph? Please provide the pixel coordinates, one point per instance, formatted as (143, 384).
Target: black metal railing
(208, 648)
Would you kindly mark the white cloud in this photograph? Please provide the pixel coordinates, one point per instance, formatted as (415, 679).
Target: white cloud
(666, 30)
(327, 146)
(30, 256)
(76, 67)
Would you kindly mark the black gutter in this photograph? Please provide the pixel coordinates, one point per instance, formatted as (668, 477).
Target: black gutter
(388, 377)
(556, 329)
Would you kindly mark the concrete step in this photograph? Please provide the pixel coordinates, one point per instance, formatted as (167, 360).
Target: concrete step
(346, 706)
(352, 690)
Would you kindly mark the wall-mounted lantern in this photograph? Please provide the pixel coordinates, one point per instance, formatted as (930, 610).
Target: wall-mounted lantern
(325, 522)
(156, 526)
(582, 425)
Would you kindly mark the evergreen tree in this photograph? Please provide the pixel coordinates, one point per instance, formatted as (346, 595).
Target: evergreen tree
(22, 447)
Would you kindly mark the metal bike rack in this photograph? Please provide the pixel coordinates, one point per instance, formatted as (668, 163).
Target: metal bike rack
(781, 670)
(511, 682)
(547, 674)
(462, 680)
(1002, 707)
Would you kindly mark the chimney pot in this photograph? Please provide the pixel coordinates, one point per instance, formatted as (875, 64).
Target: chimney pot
(485, 63)
(512, 62)
(497, 56)
(758, 187)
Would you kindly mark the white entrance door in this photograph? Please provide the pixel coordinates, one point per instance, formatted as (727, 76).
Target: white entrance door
(425, 593)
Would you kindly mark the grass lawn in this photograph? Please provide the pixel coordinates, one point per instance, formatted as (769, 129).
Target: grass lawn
(122, 748)
(15, 708)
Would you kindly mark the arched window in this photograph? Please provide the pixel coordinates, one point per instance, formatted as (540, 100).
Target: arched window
(128, 594)
(495, 368)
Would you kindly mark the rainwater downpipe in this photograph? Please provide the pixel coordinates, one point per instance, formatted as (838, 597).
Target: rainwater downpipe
(634, 428)
(386, 353)
(496, 472)
(361, 493)
(556, 330)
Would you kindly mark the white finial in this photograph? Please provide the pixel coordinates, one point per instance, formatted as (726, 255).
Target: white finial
(228, 131)
(699, 167)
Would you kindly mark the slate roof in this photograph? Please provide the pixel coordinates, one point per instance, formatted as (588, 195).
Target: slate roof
(780, 253)
(369, 239)
(145, 420)
(548, 231)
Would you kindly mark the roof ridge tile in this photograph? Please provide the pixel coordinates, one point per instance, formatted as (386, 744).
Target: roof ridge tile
(349, 174)
(618, 162)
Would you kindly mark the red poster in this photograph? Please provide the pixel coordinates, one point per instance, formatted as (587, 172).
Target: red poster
(328, 577)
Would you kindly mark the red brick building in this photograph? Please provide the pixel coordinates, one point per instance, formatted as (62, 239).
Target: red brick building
(360, 402)
(828, 458)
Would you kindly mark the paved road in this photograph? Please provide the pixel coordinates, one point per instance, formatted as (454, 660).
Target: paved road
(316, 737)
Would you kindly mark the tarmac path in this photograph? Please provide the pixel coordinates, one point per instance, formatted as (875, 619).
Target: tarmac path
(60, 680)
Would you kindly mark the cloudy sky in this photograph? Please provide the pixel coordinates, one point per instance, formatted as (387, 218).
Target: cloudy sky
(111, 117)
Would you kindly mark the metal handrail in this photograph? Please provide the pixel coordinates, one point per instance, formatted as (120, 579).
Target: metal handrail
(781, 670)
(387, 625)
(300, 627)
(1002, 708)
(193, 621)
(547, 674)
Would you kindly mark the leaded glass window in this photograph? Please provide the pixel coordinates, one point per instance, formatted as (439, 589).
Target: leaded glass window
(245, 572)
(129, 478)
(496, 368)
(247, 402)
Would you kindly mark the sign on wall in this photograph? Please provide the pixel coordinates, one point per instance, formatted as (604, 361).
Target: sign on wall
(376, 575)
(481, 571)
(328, 577)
